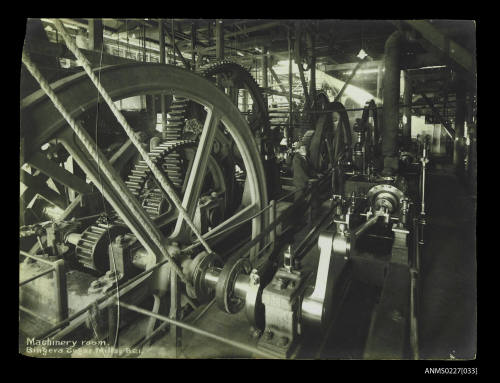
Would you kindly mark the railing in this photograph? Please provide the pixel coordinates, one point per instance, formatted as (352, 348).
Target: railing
(60, 289)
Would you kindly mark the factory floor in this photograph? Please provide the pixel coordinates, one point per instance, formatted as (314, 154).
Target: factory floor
(447, 312)
(448, 271)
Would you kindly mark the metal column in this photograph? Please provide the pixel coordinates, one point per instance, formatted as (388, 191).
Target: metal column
(265, 67)
(175, 303)
(219, 43)
(162, 61)
(380, 77)
(407, 100)
(95, 34)
(290, 84)
(391, 102)
(193, 45)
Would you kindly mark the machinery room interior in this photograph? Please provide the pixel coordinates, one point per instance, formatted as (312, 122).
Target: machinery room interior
(248, 189)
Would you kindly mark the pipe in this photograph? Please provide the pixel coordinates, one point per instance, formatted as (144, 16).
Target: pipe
(365, 226)
(391, 102)
(407, 100)
(288, 131)
(36, 276)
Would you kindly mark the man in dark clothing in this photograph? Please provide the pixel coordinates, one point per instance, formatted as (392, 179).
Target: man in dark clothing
(302, 171)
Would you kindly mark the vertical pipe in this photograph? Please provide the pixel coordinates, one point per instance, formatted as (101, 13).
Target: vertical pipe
(173, 40)
(391, 103)
(162, 61)
(219, 39)
(95, 34)
(272, 218)
(407, 100)
(175, 300)
(380, 68)
(193, 45)
(144, 43)
(219, 44)
(209, 32)
(162, 40)
(61, 294)
(265, 66)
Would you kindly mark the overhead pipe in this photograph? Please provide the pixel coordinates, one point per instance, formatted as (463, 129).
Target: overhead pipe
(392, 53)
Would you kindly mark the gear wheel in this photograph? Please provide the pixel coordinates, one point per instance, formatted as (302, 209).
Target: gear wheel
(141, 183)
(240, 78)
(94, 241)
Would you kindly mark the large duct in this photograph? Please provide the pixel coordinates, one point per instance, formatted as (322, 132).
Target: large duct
(391, 103)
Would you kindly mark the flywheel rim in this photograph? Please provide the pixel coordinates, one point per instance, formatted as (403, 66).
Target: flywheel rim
(40, 122)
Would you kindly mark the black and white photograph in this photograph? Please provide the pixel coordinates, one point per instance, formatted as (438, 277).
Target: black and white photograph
(295, 189)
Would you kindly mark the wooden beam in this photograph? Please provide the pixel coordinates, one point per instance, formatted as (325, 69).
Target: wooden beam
(179, 53)
(256, 28)
(59, 174)
(278, 81)
(38, 185)
(95, 34)
(446, 46)
(61, 51)
(219, 40)
(350, 66)
(435, 111)
(284, 94)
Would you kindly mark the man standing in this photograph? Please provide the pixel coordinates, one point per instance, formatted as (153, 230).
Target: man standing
(302, 171)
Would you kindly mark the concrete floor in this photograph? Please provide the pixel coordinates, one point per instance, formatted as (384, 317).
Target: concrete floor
(448, 296)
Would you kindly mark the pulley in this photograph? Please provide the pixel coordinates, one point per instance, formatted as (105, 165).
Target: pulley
(385, 196)
(225, 292)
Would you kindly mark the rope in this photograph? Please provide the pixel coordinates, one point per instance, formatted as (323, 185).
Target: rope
(164, 182)
(107, 169)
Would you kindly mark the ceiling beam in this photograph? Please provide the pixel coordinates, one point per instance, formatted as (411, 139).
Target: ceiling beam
(349, 66)
(256, 28)
(446, 46)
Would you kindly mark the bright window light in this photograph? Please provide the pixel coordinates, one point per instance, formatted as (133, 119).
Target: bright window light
(362, 54)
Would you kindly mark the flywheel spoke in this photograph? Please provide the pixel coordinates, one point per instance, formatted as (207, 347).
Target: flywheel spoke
(197, 174)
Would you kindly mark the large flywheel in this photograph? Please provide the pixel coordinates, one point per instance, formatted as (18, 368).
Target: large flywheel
(330, 141)
(41, 123)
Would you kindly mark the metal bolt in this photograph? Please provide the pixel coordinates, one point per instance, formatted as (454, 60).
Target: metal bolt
(254, 277)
